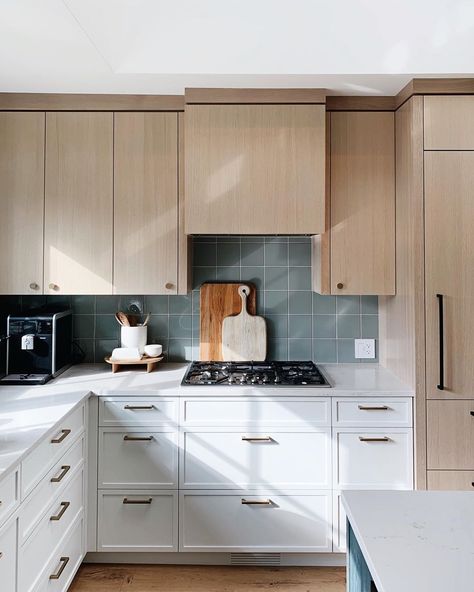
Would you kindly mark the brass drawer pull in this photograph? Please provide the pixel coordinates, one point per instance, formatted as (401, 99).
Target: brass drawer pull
(264, 502)
(257, 439)
(137, 501)
(64, 470)
(63, 436)
(64, 561)
(60, 514)
(377, 439)
(128, 438)
(139, 407)
(374, 407)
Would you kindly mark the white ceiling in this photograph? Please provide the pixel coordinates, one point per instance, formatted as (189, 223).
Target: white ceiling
(153, 46)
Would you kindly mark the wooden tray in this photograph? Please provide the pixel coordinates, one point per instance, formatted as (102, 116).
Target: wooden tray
(150, 363)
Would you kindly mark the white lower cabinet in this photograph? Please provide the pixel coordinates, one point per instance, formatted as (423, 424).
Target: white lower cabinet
(339, 526)
(274, 458)
(250, 521)
(138, 521)
(8, 556)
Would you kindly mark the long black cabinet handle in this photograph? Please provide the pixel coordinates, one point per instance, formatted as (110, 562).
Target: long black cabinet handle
(440, 386)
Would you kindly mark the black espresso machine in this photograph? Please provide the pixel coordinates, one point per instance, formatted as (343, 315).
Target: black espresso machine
(39, 346)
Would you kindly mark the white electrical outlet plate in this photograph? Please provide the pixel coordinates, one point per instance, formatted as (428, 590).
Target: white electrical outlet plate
(364, 348)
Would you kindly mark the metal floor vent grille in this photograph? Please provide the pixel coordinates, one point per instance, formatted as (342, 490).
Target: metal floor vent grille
(255, 559)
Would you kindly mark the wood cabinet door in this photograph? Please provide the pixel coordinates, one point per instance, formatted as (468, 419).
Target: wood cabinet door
(78, 203)
(449, 122)
(362, 203)
(255, 169)
(146, 203)
(451, 480)
(449, 269)
(22, 202)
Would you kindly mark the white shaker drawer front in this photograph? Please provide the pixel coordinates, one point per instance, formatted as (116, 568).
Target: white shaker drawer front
(138, 521)
(250, 412)
(8, 557)
(65, 562)
(37, 463)
(138, 459)
(55, 481)
(272, 458)
(373, 459)
(250, 521)
(137, 411)
(9, 498)
(37, 550)
(373, 412)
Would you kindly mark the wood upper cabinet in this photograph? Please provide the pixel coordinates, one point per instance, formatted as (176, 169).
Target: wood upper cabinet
(22, 201)
(78, 203)
(146, 203)
(254, 169)
(449, 122)
(449, 272)
(357, 255)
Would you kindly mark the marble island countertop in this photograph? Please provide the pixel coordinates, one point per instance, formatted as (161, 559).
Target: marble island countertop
(27, 414)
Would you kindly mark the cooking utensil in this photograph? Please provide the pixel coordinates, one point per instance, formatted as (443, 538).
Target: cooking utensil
(244, 336)
(122, 319)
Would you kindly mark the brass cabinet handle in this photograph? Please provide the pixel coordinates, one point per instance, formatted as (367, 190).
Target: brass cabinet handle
(54, 287)
(34, 286)
(375, 439)
(137, 501)
(58, 440)
(339, 286)
(169, 285)
(60, 514)
(257, 439)
(64, 470)
(139, 407)
(374, 407)
(264, 502)
(64, 561)
(128, 438)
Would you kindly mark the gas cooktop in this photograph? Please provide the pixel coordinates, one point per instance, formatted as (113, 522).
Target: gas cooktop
(272, 374)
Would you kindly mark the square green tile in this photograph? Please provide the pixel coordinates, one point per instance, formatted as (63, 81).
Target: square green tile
(345, 351)
(180, 304)
(83, 326)
(196, 296)
(324, 304)
(83, 351)
(277, 349)
(370, 326)
(299, 326)
(277, 326)
(325, 351)
(83, 304)
(324, 326)
(106, 327)
(180, 327)
(103, 348)
(180, 350)
(228, 254)
(300, 302)
(202, 275)
(348, 304)
(132, 304)
(204, 254)
(252, 254)
(348, 326)
(276, 302)
(255, 275)
(156, 304)
(300, 254)
(369, 304)
(300, 278)
(228, 274)
(158, 327)
(106, 304)
(300, 349)
(276, 278)
(276, 254)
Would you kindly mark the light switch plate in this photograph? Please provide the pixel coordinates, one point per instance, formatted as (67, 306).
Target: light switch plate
(364, 348)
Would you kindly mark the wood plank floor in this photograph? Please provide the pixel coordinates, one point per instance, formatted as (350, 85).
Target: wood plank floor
(190, 578)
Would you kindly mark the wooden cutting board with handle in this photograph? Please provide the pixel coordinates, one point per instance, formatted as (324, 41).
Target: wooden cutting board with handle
(244, 336)
(220, 300)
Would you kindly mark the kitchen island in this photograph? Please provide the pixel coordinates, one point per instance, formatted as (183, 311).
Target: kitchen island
(410, 541)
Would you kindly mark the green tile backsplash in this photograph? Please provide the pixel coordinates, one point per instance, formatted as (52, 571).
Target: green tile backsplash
(301, 324)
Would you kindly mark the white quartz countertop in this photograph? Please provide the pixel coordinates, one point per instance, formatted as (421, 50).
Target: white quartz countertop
(415, 541)
(28, 413)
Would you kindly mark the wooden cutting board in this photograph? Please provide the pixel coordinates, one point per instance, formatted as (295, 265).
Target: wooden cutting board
(244, 336)
(217, 302)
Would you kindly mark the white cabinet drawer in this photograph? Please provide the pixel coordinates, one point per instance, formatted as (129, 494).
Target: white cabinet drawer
(64, 562)
(373, 412)
(273, 458)
(373, 459)
(137, 411)
(9, 498)
(37, 463)
(8, 557)
(251, 412)
(138, 521)
(222, 521)
(55, 481)
(138, 459)
(37, 550)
